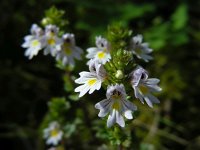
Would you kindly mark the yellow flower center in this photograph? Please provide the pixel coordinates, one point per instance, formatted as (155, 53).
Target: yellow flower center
(116, 105)
(92, 82)
(51, 41)
(143, 89)
(116, 97)
(66, 48)
(54, 133)
(35, 43)
(101, 55)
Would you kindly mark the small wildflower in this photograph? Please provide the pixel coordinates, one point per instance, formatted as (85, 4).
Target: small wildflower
(138, 74)
(68, 50)
(34, 42)
(52, 40)
(101, 52)
(143, 86)
(116, 105)
(141, 50)
(53, 134)
(92, 80)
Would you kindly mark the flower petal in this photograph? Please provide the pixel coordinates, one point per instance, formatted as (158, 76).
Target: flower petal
(138, 94)
(91, 52)
(84, 77)
(120, 119)
(153, 99)
(111, 118)
(154, 88)
(137, 39)
(152, 81)
(146, 57)
(46, 51)
(128, 114)
(83, 89)
(104, 107)
(96, 86)
(129, 105)
(148, 101)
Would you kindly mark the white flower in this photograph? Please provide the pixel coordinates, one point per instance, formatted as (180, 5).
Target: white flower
(92, 80)
(52, 40)
(101, 52)
(138, 74)
(143, 86)
(141, 50)
(116, 105)
(34, 42)
(53, 134)
(68, 50)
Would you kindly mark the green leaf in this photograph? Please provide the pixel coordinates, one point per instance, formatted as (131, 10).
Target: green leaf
(68, 85)
(180, 17)
(130, 11)
(157, 35)
(74, 97)
(179, 38)
(58, 107)
(147, 146)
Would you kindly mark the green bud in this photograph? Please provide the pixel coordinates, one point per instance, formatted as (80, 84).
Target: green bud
(45, 21)
(119, 53)
(119, 74)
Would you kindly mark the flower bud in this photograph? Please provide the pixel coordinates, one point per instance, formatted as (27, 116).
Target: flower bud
(119, 53)
(119, 74)
(45, 21)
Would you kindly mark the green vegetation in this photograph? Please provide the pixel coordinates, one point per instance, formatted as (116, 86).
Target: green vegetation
(34, 92)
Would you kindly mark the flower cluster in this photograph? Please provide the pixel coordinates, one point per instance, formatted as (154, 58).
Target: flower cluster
(63, 48)
(112, 64)
(110, 67)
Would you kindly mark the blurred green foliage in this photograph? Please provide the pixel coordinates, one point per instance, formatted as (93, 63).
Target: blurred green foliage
(54, 16)
(171, 27)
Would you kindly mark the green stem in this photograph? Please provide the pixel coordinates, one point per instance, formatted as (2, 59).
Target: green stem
(120, 147)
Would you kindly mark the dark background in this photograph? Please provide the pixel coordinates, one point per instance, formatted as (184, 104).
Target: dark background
(171, 27)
